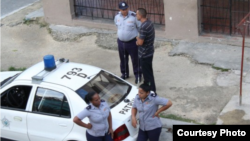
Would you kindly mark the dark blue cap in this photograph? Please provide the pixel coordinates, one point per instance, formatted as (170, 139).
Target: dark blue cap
(123, 5)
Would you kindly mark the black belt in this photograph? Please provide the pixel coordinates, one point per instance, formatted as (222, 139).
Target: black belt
(129, 40)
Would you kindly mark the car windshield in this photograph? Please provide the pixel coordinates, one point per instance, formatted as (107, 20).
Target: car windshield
(8, 80)
(110, 88)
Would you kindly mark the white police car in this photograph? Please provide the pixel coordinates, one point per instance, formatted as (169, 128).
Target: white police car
(39, 104)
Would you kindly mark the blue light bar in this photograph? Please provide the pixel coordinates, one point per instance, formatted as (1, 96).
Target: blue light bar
(49, 62)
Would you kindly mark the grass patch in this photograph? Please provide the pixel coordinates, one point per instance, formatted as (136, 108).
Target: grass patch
(217, 68)
(27, 22)
(174, 117)
(49, 30)
(43, 25)
(16, 69)
(38, 21)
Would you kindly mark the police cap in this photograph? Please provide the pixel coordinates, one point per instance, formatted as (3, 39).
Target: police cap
(123, 5)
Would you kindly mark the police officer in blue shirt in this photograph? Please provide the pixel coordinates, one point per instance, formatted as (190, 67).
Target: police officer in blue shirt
(127, 31)
(98, 112)
(146, 104)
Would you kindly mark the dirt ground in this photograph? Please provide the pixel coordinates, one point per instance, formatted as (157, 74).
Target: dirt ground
(190, 86)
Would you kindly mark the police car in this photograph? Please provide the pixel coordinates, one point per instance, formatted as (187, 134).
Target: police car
(39, 104)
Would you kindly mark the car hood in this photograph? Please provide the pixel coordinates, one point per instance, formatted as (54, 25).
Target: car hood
(7, 74)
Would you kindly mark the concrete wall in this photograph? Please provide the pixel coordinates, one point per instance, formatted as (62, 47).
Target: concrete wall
(58, 11)
(181, 19)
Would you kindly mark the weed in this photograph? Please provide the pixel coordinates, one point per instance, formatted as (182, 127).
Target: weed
(49, 30)
(218, 68)
(16, 69)
(27, 22)
(37, 21)
(174, 117)
(43, 25)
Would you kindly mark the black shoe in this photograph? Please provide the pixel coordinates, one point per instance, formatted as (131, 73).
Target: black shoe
(124, 77)
(137, 80)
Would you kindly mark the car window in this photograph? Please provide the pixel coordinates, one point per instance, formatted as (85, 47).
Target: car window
(109, 87)
(8, 80)
(16, 97)
(51, 102)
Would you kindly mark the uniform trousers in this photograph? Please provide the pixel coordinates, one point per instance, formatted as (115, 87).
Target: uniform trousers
(126, 49)
(152, 135)
(147, 71)
(106, 137)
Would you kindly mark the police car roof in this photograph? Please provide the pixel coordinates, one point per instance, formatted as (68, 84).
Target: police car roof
(63, 75)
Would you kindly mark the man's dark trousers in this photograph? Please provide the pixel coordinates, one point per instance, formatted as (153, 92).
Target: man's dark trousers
(126, 49)
(147, 71)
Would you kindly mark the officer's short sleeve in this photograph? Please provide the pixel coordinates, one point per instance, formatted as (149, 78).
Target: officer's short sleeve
(115, 20)
(135, 103)
(138, 24)
(161, 101)
(107, 105)
(84, 113)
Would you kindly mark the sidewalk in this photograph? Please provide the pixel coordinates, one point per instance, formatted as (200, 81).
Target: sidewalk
(224, 57)
(167, 128)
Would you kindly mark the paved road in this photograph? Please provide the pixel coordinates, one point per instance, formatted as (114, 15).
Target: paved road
(11, 6)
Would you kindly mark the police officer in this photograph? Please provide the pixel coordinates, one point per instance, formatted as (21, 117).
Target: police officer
(146, 104)
(98, 112)
(127, 25)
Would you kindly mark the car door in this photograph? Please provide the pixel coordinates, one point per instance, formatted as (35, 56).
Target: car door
(14, 103)
(50, 119)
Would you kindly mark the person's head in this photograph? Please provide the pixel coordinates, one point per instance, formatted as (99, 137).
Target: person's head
(123, 7)
(94, 98)
(141, 13)
(144, 90)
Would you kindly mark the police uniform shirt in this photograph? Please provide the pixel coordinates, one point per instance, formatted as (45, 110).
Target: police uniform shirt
(127, 26)
(147, 110)
(98, 117)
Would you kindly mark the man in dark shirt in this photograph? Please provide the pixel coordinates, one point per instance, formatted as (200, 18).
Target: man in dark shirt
(145, 42)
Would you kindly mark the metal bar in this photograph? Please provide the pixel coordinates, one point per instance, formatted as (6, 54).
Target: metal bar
(213, 6)
(248, 17)
(243, 23)
(216, 13)
(230, 14)
(210, 17)
(242, 63)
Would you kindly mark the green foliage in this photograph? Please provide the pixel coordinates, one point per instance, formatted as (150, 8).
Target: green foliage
(174, 117)
(16, 69)
(217, 68)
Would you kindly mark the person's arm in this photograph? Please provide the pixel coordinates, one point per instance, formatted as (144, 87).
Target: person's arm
(110, 125)
(115, 20)
(134, 121)
(163, 108)
(80, 123)
(78, 118)
(141, 37)
(139, 41)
